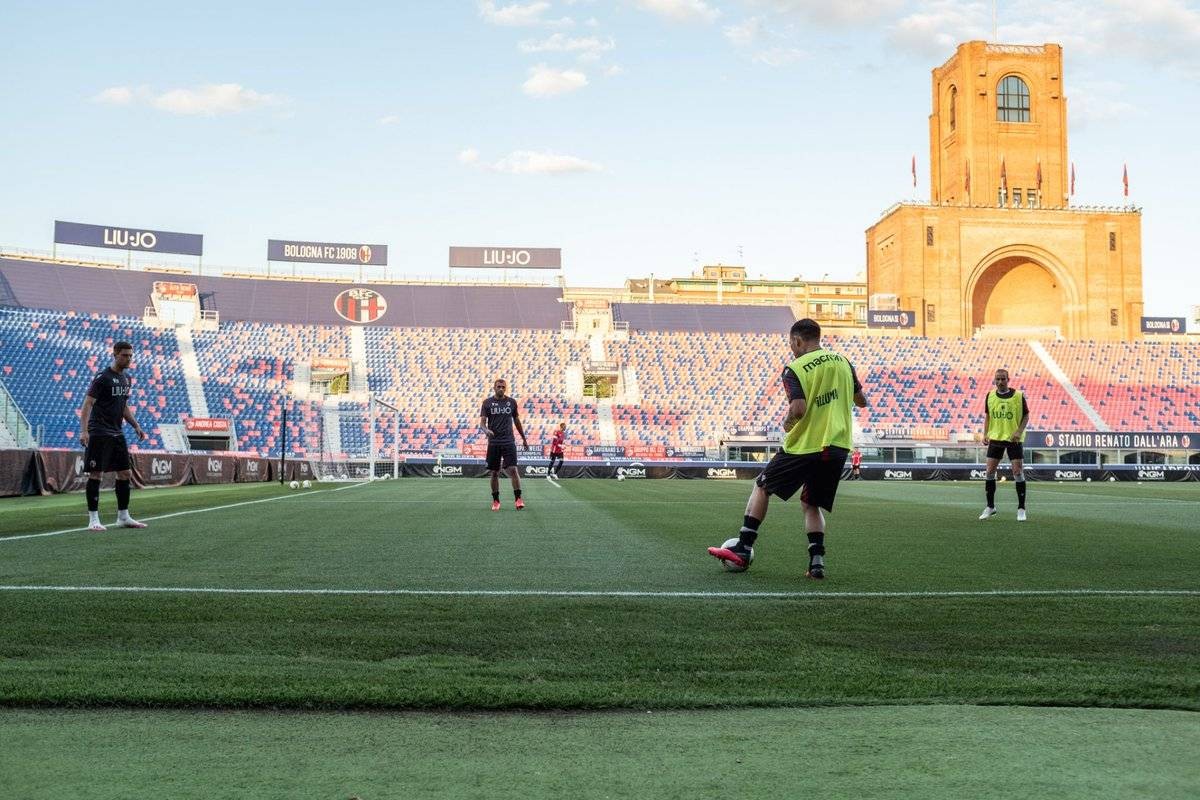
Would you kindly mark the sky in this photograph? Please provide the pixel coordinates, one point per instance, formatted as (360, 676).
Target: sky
(640, 136)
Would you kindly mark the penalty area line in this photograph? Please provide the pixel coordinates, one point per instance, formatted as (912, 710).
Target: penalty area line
(986, 593)
(113, 527)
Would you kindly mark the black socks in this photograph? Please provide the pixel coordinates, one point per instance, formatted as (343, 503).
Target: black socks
(749, 532)
(991, 492)
(93, 494)
(1021, 493)
(496, 496)
(517, 494)
(122, 495)
(816, 548)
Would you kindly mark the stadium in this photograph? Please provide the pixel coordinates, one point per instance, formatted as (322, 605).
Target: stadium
(323, 604)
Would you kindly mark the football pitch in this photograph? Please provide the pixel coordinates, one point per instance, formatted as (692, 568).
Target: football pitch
(401, 638)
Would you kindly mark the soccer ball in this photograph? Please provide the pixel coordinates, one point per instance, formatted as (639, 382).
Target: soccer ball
(307, 484)
(293, 485)
(729, 565)
(620, 476)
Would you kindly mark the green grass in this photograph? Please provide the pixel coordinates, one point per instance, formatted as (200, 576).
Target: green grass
(575, 605)
(929, 752)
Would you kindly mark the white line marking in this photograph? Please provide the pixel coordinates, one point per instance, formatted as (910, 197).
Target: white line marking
(568, 593)
(115, 527)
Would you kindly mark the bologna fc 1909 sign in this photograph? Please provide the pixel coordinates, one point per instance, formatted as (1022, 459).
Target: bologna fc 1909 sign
(360, 305)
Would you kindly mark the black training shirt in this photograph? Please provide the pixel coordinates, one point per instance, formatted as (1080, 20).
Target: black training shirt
(110, 390)
(500, 415)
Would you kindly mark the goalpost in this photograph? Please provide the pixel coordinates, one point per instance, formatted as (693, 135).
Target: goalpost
(359, 441)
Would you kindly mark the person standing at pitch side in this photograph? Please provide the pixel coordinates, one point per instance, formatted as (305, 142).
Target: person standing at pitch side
(104, 412)
(821, 389)
(1005, 416)
(497, 417)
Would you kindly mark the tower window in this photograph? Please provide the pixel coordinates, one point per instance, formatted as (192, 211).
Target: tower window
(1012, 100)
(953, 105)
(1112, 241)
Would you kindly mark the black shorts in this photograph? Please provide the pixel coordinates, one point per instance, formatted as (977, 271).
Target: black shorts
(501, 456)
(1015, 450)
(105, 454)
(819, 474)
(558, 456)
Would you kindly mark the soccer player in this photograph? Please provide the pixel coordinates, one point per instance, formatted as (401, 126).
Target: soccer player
(497, 417)
(856, 464)
(103, 413)
(1005, 416)
(821, 388)
(556, 451)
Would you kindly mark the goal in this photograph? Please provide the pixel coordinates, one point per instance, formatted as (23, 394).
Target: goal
(359, 440)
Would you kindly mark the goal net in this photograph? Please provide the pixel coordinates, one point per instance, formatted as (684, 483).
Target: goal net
(359, 440)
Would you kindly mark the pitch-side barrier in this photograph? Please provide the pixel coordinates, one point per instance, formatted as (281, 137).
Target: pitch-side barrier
(26, 472)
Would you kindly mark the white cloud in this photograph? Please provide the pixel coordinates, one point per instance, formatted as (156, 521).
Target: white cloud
(208, 100)
(1160, 32)
(681, 10)
(390, 119)
(745, 33)
(115, 96)
(613, 70)
(587, 47)
(519, 15)
(211, 99)
(779, 56)
(941, 26)
(835, 14)
(547, 81)
(1098, 101)
(764, 43)
(528, 162)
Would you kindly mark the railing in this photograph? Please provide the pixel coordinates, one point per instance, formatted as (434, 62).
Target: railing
(1093, 209)
(13, 419)
(593, 367)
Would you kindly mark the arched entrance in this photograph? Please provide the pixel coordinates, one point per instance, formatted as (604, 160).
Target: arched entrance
(1020, 293)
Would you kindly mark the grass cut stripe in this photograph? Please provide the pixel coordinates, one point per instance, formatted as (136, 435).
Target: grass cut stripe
(168, 516)
(614, 593)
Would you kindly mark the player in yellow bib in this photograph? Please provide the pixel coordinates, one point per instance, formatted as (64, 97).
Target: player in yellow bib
(822, 389)
(1005, 416)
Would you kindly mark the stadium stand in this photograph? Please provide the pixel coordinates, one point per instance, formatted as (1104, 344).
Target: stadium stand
(703, 318)
(48, 359)
(1144, 386)
(49, 285)
(440, 376)
(701, 370)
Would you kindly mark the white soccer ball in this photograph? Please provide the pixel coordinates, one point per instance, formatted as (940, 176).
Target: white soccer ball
(729, 565)
(293, 485)
(307, 484)
(620, 476)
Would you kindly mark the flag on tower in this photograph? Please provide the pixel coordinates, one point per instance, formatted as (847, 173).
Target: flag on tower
(1072, 179)
(914, 170)
(1125, 179)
